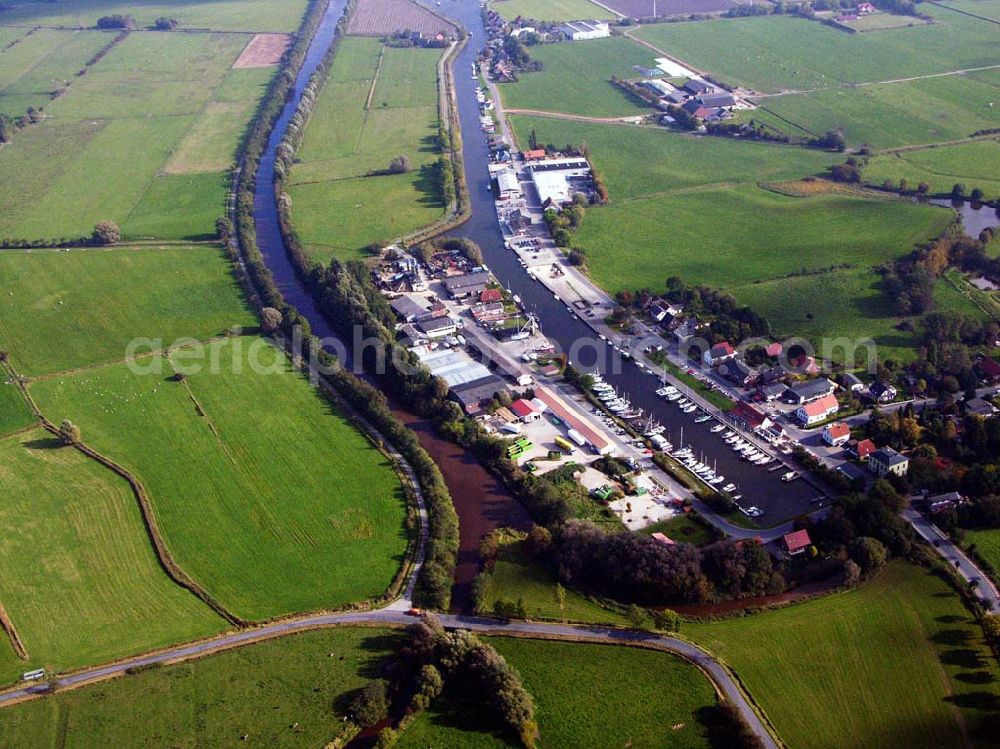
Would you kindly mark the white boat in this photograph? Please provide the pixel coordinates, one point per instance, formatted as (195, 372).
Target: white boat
(717, 428)
(702, 419)
(689, 409)
(717, 480)
(790, 476)
(728, 487)
(662, 392)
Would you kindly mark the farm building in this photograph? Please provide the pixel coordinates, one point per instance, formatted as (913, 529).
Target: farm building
(819, 410)
(659, 88)
(471, 395)
(582, 30)
(556, 180)
(528, 410)
(722, 99)
(697, 87)
(885, 460)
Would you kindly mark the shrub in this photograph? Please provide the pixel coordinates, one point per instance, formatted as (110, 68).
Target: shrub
(371, 704)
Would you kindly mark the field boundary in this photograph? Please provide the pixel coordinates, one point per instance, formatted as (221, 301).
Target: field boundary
(15, 639)
(163, 555)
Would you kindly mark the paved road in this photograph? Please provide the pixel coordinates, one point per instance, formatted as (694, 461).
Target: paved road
(723, 680)
(962, 564)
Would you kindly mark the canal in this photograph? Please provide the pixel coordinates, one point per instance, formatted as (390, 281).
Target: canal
(758, 485)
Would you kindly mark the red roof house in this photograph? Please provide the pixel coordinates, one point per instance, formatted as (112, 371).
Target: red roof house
(773, 349)
(750, 416)
(719, 352)
(990, 369)
(864, 448)
(836, 434)
(818, 410)
(535, 153)
(524, 410)
(488, 296)
(796, 542)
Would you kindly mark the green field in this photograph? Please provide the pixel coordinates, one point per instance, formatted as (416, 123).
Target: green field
(888, 115)
(551, 10)
(585, 695)
(62, 310)
(251, 473)
(683, 529)
(692, 207)
(985, 8)
(974, 165)
(41, 63)
(576, 79)
(898, 662)
(155, 107)
(517, 576)
(14, 411)
(342, 200)
(988, 543)
(81, 582)
(220, 15)
(777, 53)
(260, 691)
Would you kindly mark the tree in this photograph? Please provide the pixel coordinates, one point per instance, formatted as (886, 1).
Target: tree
(868, 553)
(270, 319)
(106, 233)
(165, 24)
(666, 620)
(976, 196)
(371, 704)
(958, 191)
(636, 616)
(399, 165)
(852, 573)
(69, 432)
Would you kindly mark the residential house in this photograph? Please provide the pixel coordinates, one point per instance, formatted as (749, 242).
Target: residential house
(467, 284)
(796, 542)
(852, 382)
(861, 449)
(810, 390)
(837, 434)
(534, 154)
(885, 460)
(882, 392)
(980, 407)
(865, 8)
(818, 410)
(941, 502)
(490, 296)
(749, 417)
(773, 349)
(719, 353)
(685, 329)
(739, 372)
(657, 312)
(989, 370)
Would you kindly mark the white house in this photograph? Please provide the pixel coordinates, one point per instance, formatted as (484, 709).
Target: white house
(816, 411)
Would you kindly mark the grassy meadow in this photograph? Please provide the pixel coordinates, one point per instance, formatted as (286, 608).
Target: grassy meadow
(14, 410)
(975, 164)
(777, 53)
(41, 62)
(693, 207)
(378, 103)
(81, 582)
(218, 15)
(251, 473)
(988, 543)
(145, 139)
(517, 576)
(897, 662)
(551, 10)
(261, 691)
(984, 8)
(888, 115)
(585, 695)
(63, 310)
(576, 78)
(683, 528)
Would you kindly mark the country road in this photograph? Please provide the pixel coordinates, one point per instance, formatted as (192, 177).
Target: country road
(391, 616)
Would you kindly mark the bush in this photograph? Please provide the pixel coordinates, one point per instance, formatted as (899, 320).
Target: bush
(107, 233)
(371, 704)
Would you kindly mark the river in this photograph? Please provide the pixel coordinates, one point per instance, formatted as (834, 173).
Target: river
(481, 501)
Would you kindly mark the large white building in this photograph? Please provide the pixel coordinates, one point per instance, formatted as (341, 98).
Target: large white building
(580, 30)
(508, 185)
(554, 179)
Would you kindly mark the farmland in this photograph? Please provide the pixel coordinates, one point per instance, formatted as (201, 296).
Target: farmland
(113, 146)
(988, 543)
(378, 103)
(80, 582)
(576, 79)
(384, 17)
(42, 62)
(61, 310)
(294, 677)
(647, 8)
(984, 8)
(887, 115)
(975, 164)
(645, 699)
(551, 10)
(847, 660)
(14, 411)
(217, 15)
(247, 457)
(777, 53)
(671, 214)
